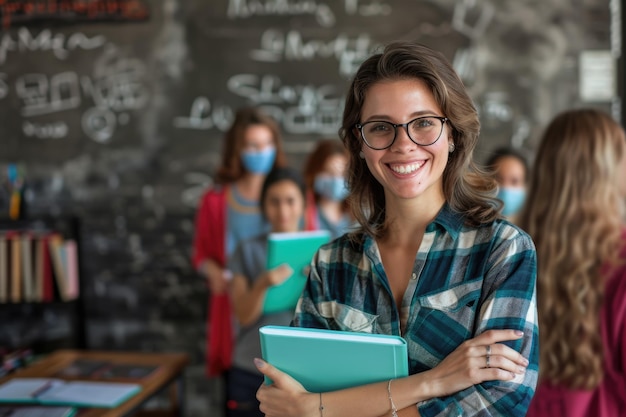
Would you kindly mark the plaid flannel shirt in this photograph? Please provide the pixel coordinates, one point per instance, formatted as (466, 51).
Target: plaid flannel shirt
(465, 280)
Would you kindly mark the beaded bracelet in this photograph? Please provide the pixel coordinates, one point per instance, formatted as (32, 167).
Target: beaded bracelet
(394, 410)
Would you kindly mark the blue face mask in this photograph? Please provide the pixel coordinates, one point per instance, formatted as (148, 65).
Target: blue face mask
(259, 162)
(513, 199)
(333, 188)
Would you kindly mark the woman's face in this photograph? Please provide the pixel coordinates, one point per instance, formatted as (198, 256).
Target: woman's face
(284, 206)
(406, 170)
(510, 172)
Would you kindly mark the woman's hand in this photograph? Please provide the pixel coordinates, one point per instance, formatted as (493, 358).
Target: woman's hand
(285, 397)
(277, 275)
(217, 277)
(478, 360)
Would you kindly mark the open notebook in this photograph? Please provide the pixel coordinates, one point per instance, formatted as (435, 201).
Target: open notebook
(52, 391)
(327, 360)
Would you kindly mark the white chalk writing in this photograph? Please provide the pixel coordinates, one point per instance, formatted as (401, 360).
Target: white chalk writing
(54, 130)
(521, 132)
(270, 89)
(99, 124)
(275, 46)
(43, 95)
(59, 43)
(461, 18)
(116, 85)
(300, 109)
(196, 185)
(496, 107)
(4, 86)
(371, 8)
(243, 9)
(202, 117)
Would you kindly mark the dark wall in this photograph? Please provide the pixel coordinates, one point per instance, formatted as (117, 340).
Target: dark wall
(120, 122)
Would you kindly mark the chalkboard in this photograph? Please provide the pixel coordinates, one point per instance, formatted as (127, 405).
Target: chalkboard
(99, 100)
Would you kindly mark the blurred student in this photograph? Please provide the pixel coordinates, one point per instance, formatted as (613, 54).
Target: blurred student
(325, 178)
(574, 214)
(510, 170)
(282, 203)
(229, 213)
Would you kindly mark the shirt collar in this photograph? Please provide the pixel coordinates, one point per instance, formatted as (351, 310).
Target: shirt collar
(449, 220)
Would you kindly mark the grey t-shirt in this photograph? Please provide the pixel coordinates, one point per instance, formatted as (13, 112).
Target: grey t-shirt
(249, 260)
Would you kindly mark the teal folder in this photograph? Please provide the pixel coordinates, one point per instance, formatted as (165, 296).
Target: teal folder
(328, 360)
(296, 249)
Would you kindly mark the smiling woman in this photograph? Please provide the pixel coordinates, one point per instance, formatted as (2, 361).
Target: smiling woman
(433, 260)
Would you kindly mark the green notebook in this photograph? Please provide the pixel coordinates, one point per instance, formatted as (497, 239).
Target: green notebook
(296, 249)
(328, 360)
(53, 391)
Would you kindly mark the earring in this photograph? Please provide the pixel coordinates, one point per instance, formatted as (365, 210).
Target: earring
(361, 155)
(451, 147)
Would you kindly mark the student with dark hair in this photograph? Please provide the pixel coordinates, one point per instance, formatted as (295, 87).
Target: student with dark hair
(510, 170)
(282, 204)
(228, 213)
(325, 178)
(433, 261)
(575, 215)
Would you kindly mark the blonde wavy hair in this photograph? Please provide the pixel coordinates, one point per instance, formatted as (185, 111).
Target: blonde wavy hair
(574, 215)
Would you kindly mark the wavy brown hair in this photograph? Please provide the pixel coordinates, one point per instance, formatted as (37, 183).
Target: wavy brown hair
(573, 214)
(231, 168)
(466, 188)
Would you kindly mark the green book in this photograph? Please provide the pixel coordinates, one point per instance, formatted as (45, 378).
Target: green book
(328, 360)
(296, 249)
(52, 391)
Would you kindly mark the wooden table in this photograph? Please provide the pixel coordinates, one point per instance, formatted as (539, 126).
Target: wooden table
(171, 367)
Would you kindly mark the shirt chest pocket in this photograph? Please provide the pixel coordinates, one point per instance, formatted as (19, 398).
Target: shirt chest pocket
(446, 318)
(348, 318)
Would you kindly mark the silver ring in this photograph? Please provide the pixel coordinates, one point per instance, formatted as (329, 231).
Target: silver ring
(488, 357)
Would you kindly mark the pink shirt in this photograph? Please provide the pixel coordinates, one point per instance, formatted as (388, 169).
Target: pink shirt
(609, 399)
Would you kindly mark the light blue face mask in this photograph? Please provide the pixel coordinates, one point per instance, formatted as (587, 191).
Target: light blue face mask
(513, 199)
(259, 162)
(333, 188)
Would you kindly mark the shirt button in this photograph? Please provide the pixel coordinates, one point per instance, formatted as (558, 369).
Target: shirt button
(413, 276)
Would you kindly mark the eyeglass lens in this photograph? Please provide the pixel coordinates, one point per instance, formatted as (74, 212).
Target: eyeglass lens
(423, 131)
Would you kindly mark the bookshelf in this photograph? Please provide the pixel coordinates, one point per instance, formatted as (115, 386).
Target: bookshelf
(38, 311)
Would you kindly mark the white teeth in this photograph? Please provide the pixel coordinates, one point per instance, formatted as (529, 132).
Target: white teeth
(406, 169)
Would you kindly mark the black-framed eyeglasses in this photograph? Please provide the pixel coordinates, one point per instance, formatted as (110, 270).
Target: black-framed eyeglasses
(423, 131)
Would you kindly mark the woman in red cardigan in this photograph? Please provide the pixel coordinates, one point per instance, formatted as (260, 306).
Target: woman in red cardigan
(228, 213)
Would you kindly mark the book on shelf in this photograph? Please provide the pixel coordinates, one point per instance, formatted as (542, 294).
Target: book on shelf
(43, 270)
(37, 267)
(28, 293)
(297, 250)
(59, 264)
(53, 391)
(328, 360)
(71, 270)
(16, 266)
